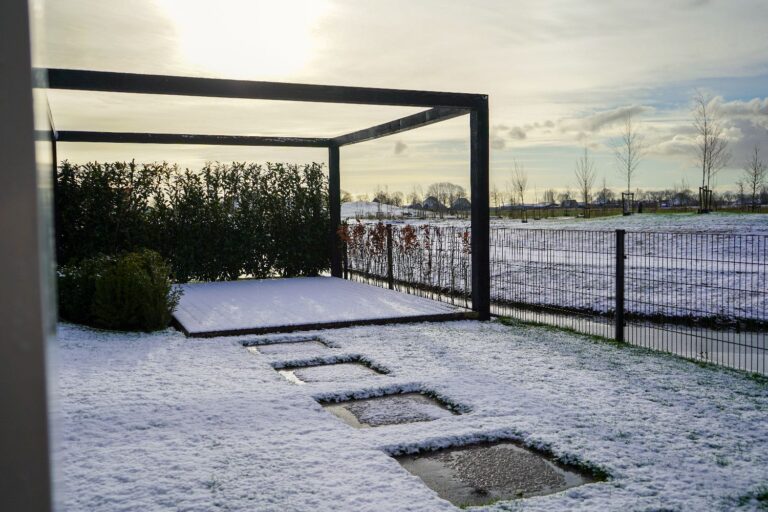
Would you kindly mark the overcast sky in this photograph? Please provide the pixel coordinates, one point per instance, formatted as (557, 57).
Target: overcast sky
(559, 74)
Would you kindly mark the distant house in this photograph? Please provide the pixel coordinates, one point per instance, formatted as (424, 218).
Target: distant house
(569, 203)
(415, 206)
(461, 204)
(431, 203)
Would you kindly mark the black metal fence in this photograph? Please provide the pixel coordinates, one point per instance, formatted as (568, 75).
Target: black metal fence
(703, 296)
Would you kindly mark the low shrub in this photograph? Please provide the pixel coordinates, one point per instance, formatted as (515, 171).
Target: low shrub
(132, 291)
(76, 285)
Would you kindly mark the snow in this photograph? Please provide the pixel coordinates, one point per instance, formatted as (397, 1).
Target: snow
(272, 303)
(365, 209)
(163, 422)
(735, 223)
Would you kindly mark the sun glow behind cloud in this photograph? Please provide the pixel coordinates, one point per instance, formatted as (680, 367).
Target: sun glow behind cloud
(261, 39)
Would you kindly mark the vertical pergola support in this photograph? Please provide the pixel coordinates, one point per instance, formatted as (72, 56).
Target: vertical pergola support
(334, 197)
(25, 291)
(479, 166)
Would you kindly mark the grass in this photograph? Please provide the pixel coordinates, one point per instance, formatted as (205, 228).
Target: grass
(513, 322)
(759, 497)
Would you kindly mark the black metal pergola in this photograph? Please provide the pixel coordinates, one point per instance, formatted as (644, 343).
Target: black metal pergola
(441, 106)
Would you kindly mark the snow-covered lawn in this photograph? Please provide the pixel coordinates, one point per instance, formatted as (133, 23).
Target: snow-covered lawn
(736, 223)
(160, 422)
(365, 209)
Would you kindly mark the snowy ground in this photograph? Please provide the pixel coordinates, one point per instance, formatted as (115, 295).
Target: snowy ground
(160, 422)
(736, 223)
(268, 303)
(365, 209)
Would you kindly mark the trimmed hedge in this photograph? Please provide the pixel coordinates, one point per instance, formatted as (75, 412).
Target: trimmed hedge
(222, 222)
(129, 292)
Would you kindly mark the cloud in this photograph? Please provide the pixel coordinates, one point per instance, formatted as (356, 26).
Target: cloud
(400, 146)
(755, 107)
(498, 143)
(517, 133)
(595, 122)
(677, 145)
(497, 140)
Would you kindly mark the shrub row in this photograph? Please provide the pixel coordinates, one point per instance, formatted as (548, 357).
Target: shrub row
(222, 222)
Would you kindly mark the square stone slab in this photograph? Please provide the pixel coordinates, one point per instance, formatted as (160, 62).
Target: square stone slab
(290, 347)
(485, 473)
(336, 372)
(389, 410)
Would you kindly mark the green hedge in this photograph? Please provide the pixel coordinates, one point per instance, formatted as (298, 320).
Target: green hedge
(130, 292)
(222, 222)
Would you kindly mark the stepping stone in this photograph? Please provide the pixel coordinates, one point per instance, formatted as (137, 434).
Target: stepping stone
(335, 372)
(389, 410)
(290, 347)
(485, 473)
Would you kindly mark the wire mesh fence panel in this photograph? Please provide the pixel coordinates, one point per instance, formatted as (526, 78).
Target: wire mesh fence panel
(699, 295)
(562, 278)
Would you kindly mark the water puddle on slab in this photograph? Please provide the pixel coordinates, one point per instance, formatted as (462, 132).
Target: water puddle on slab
(389, 410)
(485, 473)
(289, 347)
(335, 372)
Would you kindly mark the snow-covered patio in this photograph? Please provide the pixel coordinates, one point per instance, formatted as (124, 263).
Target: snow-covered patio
(163, 422)
(282, 305)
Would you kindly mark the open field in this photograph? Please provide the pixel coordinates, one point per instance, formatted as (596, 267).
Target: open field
(735, 223)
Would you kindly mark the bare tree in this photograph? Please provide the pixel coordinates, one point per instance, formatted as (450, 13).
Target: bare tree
(381, 194)
(496, 198)
(519, 180)
(518, 186)
(585, 176)
(549, 196)
(629, 150)
(605, 195)
(741, 193)
(712, 148)
(346, 197)
(446, 192)
(753, 177)
(565, 196)
(415, 196)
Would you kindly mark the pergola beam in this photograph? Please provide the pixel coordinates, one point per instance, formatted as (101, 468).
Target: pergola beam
(417, 120)
(173, 138)
(82, 80)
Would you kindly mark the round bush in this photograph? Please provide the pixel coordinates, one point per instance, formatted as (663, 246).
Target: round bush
(129, 292)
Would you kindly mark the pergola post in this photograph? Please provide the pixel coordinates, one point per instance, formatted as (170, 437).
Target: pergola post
(334, 198)
(479, 163)
(25, 292)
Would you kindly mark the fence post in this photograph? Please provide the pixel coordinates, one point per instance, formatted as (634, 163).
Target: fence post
(620, 284)
(345, 260)
(390, 276)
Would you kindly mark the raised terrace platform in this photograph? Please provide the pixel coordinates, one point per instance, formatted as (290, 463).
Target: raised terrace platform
(262, 306)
